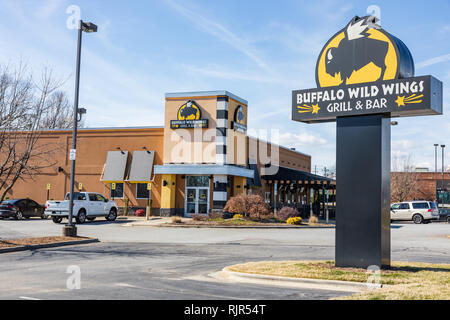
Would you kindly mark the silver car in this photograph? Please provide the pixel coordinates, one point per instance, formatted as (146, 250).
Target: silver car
(417, 211)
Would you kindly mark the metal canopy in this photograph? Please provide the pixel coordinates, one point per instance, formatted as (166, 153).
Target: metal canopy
(288, 174)
(256, 181)
(203, 169)
(141, 167)
(116, 163)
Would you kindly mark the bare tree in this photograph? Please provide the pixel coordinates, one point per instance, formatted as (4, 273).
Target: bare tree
(403, 179)
(26, 108)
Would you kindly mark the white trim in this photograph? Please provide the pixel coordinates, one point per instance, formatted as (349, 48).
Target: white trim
(222, 123)
(219, 196)
(221, 140)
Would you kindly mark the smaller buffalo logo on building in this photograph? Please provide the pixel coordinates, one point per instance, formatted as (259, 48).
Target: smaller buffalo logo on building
(239, 123)
(189, 111)
(363, 52)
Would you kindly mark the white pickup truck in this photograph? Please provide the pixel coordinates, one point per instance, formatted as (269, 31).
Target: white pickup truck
(86, 206)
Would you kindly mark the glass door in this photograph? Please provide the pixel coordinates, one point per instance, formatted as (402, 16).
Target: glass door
(197, 195)
(191, 201)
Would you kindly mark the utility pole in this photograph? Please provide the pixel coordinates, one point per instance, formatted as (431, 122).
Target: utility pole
(442, 185)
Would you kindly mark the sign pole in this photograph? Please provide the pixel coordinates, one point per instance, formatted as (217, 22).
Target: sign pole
(363, 195)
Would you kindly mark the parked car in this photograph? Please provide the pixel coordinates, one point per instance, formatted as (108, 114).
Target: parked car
(417, 211)
(86, 206)
(444, 214)
(21, 208)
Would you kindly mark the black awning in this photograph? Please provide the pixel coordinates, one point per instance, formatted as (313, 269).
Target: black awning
(285, 174)
(256, 181)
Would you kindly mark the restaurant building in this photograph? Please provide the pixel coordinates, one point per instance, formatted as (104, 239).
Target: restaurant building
(200, 158)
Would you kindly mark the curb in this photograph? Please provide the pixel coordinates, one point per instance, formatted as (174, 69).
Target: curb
(230, 227)
(336, 285)
(47, 245)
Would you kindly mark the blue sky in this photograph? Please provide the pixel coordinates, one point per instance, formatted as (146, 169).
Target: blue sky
(258, 50)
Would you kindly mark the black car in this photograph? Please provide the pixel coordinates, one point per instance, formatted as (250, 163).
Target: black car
(21, 208)
(444, 214)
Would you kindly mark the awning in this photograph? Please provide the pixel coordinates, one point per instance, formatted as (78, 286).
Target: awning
(288, 174)
(115, 166)
(204, 169)
(256, 180)
(141, 167)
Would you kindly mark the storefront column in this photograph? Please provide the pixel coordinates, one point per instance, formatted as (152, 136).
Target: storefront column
(168, 195)
(239, 183)
(219, 193)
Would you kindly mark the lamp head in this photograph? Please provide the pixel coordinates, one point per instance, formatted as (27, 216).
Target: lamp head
(88, 27)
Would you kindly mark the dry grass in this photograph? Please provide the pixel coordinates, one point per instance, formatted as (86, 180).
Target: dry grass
(403, 281)
(33, 241)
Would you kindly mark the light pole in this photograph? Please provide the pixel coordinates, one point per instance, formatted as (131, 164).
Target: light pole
(88, 27)
(442, 185)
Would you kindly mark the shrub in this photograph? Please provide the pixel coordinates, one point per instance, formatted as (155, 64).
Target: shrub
(176, 220)
(252, 206)
(286, 213)
(216, 215)
(199, 217)
(294, 220)
(238, 216)
(313, 219)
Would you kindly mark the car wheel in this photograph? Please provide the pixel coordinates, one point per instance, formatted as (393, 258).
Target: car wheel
(44, 217)
(112, 214)
(81, 217)
(57, 219)
(91, 218)
(418, 219)
(19, 215)
(448, 219)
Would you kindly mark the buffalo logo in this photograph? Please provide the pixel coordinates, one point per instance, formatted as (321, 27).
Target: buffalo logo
(239, 120)
(362, 52)
(189, 111)
(239, 116)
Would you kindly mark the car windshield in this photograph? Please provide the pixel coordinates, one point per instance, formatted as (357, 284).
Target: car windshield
(8, 201)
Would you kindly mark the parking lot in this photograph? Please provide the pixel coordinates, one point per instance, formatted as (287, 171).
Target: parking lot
(175, 263)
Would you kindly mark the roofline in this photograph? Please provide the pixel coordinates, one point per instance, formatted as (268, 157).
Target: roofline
(206, 94)
(279, 145)
(103, 128)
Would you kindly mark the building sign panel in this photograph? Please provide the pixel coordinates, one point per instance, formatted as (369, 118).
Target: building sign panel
(238, 123)
(189, 116)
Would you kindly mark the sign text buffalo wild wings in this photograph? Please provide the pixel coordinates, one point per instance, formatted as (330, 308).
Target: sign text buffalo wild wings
(364, 70)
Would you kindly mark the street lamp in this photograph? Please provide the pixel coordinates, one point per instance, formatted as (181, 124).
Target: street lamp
(88, 27)
(442, 185)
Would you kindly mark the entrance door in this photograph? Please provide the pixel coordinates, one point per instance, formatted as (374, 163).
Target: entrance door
(197, 195)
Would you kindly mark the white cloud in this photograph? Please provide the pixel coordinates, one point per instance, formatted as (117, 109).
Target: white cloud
(433, 61)
(220, 32)
(302, 139)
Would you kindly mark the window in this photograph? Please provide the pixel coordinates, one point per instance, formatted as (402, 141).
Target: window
(101, 198)
(433, 205)
(197, 181)
(118, 193)
(404, 206)
(420, 205)
(76, 196)
(92, 197)
(141, 191)
(395, 206)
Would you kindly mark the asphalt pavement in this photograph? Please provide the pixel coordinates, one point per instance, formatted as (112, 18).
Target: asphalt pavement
(174, 263)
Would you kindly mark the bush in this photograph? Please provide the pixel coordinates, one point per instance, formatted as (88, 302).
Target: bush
(215, 215)
(313, 219)
(294, 220)
(286, 213)
(199, 217)
(238, 216)
(176, 220)
(252, 206)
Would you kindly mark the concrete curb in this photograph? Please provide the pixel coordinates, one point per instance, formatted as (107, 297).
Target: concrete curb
(225, 227)
(47, 245)
(335, 285)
